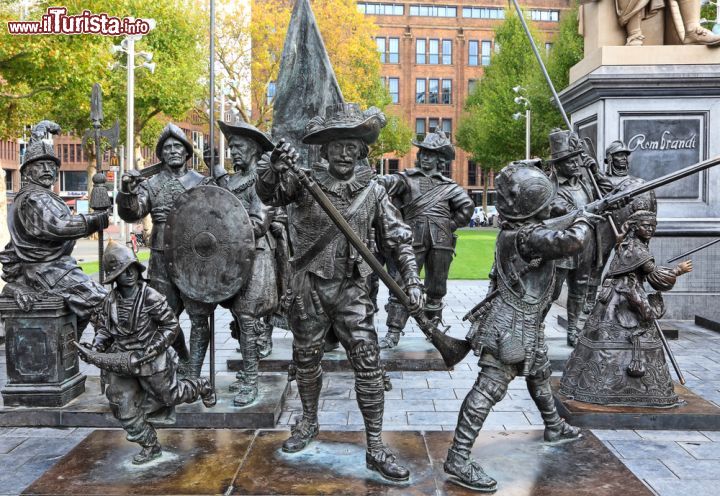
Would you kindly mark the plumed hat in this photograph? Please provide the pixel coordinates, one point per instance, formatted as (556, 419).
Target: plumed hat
(343, 121)
(437, 142)
(242, 128)
(564, 145)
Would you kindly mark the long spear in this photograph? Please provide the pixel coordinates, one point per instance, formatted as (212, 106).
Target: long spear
(212, 164)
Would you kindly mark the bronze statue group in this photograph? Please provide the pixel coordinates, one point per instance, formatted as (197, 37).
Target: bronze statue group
(557, 226)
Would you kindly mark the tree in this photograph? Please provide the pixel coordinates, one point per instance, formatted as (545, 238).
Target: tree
(487, 130)
(348, 37)
(567, 50)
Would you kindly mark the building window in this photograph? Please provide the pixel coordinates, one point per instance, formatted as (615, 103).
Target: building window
(447, 52)
(544, 15)
(486, 51)
(472, 84)
(381, 8)
(393, 166)
(420, 129)
(447, 127)
(381, 47)
(433, 91)
(483, 13)
(433, 10)
(8, 180)
(420, 49)
(420, 91)
(393, 85)
(433, 123)
(270, 93)
(472, 173)
(393, 55)
(473, 47)
(434, 52)
(447, 91)
(73, 181)
(548, 47)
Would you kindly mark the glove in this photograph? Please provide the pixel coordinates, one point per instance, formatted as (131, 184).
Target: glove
(415, 295)
(155, 348)
(96, 221)
(130, 181)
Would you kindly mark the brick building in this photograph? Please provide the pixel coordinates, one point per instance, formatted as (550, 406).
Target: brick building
(72, 180)
(433, 52)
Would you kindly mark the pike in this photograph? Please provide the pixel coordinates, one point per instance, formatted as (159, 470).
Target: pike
(696, 249)
(451, 349)
(99, 199)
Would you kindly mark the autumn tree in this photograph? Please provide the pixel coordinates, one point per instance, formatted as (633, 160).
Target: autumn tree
(349, 40)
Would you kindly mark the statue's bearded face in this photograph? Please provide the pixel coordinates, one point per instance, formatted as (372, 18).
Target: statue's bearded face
(244, 152)
(571, 167)
(620, 164)
(429, 161)
(42, 173)
(342, 155)
(174, 153)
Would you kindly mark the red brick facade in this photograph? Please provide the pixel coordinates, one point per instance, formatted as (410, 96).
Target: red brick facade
(464, 32)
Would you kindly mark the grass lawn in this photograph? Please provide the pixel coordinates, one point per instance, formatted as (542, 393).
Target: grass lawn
(91, 268)
(475, 253)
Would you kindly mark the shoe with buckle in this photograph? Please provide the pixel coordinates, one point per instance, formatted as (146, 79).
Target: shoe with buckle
(561, 432)
(466, 472)
(147, 454)
(302, 433)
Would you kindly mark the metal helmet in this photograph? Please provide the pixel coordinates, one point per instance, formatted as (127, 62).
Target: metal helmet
(616, 146)
(523, 190)
(172, 131)
(116, 259)
(38, 148)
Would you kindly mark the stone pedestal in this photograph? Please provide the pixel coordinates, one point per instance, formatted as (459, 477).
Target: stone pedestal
(42, 363)
(662, 101)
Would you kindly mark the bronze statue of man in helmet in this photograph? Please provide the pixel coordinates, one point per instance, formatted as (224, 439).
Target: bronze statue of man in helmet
(133, 347)
(507, 330)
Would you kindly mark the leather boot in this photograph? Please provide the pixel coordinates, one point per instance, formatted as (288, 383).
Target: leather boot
(308, 375)
(574, 307)
(148, 454)
(397, 317)
(199, 341)
(556, 429)
(248, 389)
(182, 352)
(466, 472)
(264, 340)
(391, 339)
(433, 308)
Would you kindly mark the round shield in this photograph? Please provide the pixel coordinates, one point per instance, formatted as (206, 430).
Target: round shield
(209, 244)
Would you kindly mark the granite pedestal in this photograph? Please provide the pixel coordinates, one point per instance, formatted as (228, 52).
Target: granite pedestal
(695, 414)
(93, 410)
(42, 364)
(411, 354)
(661, 101)
(251, 462)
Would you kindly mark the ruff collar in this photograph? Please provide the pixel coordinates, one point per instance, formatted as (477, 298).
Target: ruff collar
(362, 177)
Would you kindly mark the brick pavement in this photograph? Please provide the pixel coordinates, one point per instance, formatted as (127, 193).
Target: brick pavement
(669, 462)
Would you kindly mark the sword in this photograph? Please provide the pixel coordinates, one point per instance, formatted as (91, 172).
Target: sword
(452, 350)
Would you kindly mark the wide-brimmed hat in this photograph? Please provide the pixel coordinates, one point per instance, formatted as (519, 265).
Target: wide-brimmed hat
(242, 128)
(616, 146)
(523, 190)
(343, 121)
(172, 131)
(437, 142)
(564, 145)
(116, 259)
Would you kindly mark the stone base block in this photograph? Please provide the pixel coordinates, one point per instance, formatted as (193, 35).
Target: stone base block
(92, 409)
(696, 414)
(43, 395)
(707, 322)
(252, 463)
(410, 354)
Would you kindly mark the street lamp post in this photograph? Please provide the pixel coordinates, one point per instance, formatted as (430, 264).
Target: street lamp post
(521, 100)
(127, 45)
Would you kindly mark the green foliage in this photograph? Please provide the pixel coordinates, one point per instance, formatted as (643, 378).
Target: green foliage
(567, 51)
(489, 132)
(51, 76)
(475, 254)
(394, 138)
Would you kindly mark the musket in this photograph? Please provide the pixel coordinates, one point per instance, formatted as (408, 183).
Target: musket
(560, 107)
(696, 249)
(451, 349)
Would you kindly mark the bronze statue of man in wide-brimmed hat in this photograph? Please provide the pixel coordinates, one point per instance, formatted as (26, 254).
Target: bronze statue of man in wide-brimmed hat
(571, 166)
(133, 347)
(259, 297)
(37, 262)
(434, 206)
(329, 285)
(156, 196)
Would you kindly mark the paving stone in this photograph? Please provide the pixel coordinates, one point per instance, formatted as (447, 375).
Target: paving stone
(649, 469)
(695, 469)
(334, 418)
(427, 394)
(411, 405)
(7, 444)
(702, 451)
(508, 405)
(334, 405)
(643, 448)
(447, 405)
(675, 487)
(431, 418)
(672, 435)
(615, 435)
(390, 419)
(35, 446)
(43, 432)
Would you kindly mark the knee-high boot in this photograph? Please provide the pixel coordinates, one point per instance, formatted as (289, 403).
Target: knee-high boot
(199, 341)
(308, 375)
(556, 429)
(247, 391)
